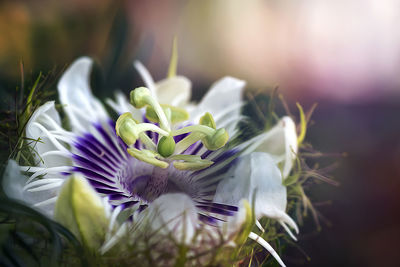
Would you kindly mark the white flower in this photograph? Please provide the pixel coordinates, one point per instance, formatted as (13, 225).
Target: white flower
(205, 186)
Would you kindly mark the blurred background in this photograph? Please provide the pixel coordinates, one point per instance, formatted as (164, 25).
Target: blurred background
(343, 55)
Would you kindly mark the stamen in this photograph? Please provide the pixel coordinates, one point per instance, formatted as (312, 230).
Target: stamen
(213, 139)
(195, 128)
(141, 97)
(190, 162)
(177, 114)
(188, 141)
(208, 120)
(147, 156)
(130, 131)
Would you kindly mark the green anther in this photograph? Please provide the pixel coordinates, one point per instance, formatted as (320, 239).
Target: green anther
(192, 166)
(177, 114)
(166, 146)
(190, 162)
(218, 140)
(208, 120)
(147, 156)
(124, 128)
(212, 139)
(141, 97)
(186, 157)
(130, 131)
(188, 141)
(195, 129)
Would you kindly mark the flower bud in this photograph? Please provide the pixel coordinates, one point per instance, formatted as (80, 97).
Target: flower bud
(80, 209)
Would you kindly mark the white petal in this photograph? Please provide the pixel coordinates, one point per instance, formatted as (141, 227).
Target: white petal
(45, 119)
(234, 223)
(174, 91)
(14, 182)
(257, 174)
(122, 105)
(282, 145)
(267, 246)
(173, 214)
(222, 95)
(78, 102)
(147, 79)
(280, 142)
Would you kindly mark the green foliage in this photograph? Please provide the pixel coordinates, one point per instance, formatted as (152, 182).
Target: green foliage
(28, 238)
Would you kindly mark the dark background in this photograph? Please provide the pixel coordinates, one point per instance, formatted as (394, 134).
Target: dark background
(344, 56)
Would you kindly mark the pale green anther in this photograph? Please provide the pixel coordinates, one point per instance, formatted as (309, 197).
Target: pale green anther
(80, 209)
(177, 114)
(195, 129)
(208, 120)
(130, 131)
(188, 141)
(192, 166)
(186, 157)
(124, 128)
(148, 156)
(190, 162)
(166, 146)
(141, 97)
(218, 140)
(212, 139)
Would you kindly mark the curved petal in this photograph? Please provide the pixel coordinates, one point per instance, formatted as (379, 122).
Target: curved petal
(282, 145)
(174, 91)
(224, 95)
(256, 175)
(173, 214)
(81, 107)
(147, 79)
(280, 142)
(39, 130)
(13, 185)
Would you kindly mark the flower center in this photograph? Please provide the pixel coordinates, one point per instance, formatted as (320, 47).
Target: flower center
(167, 150)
